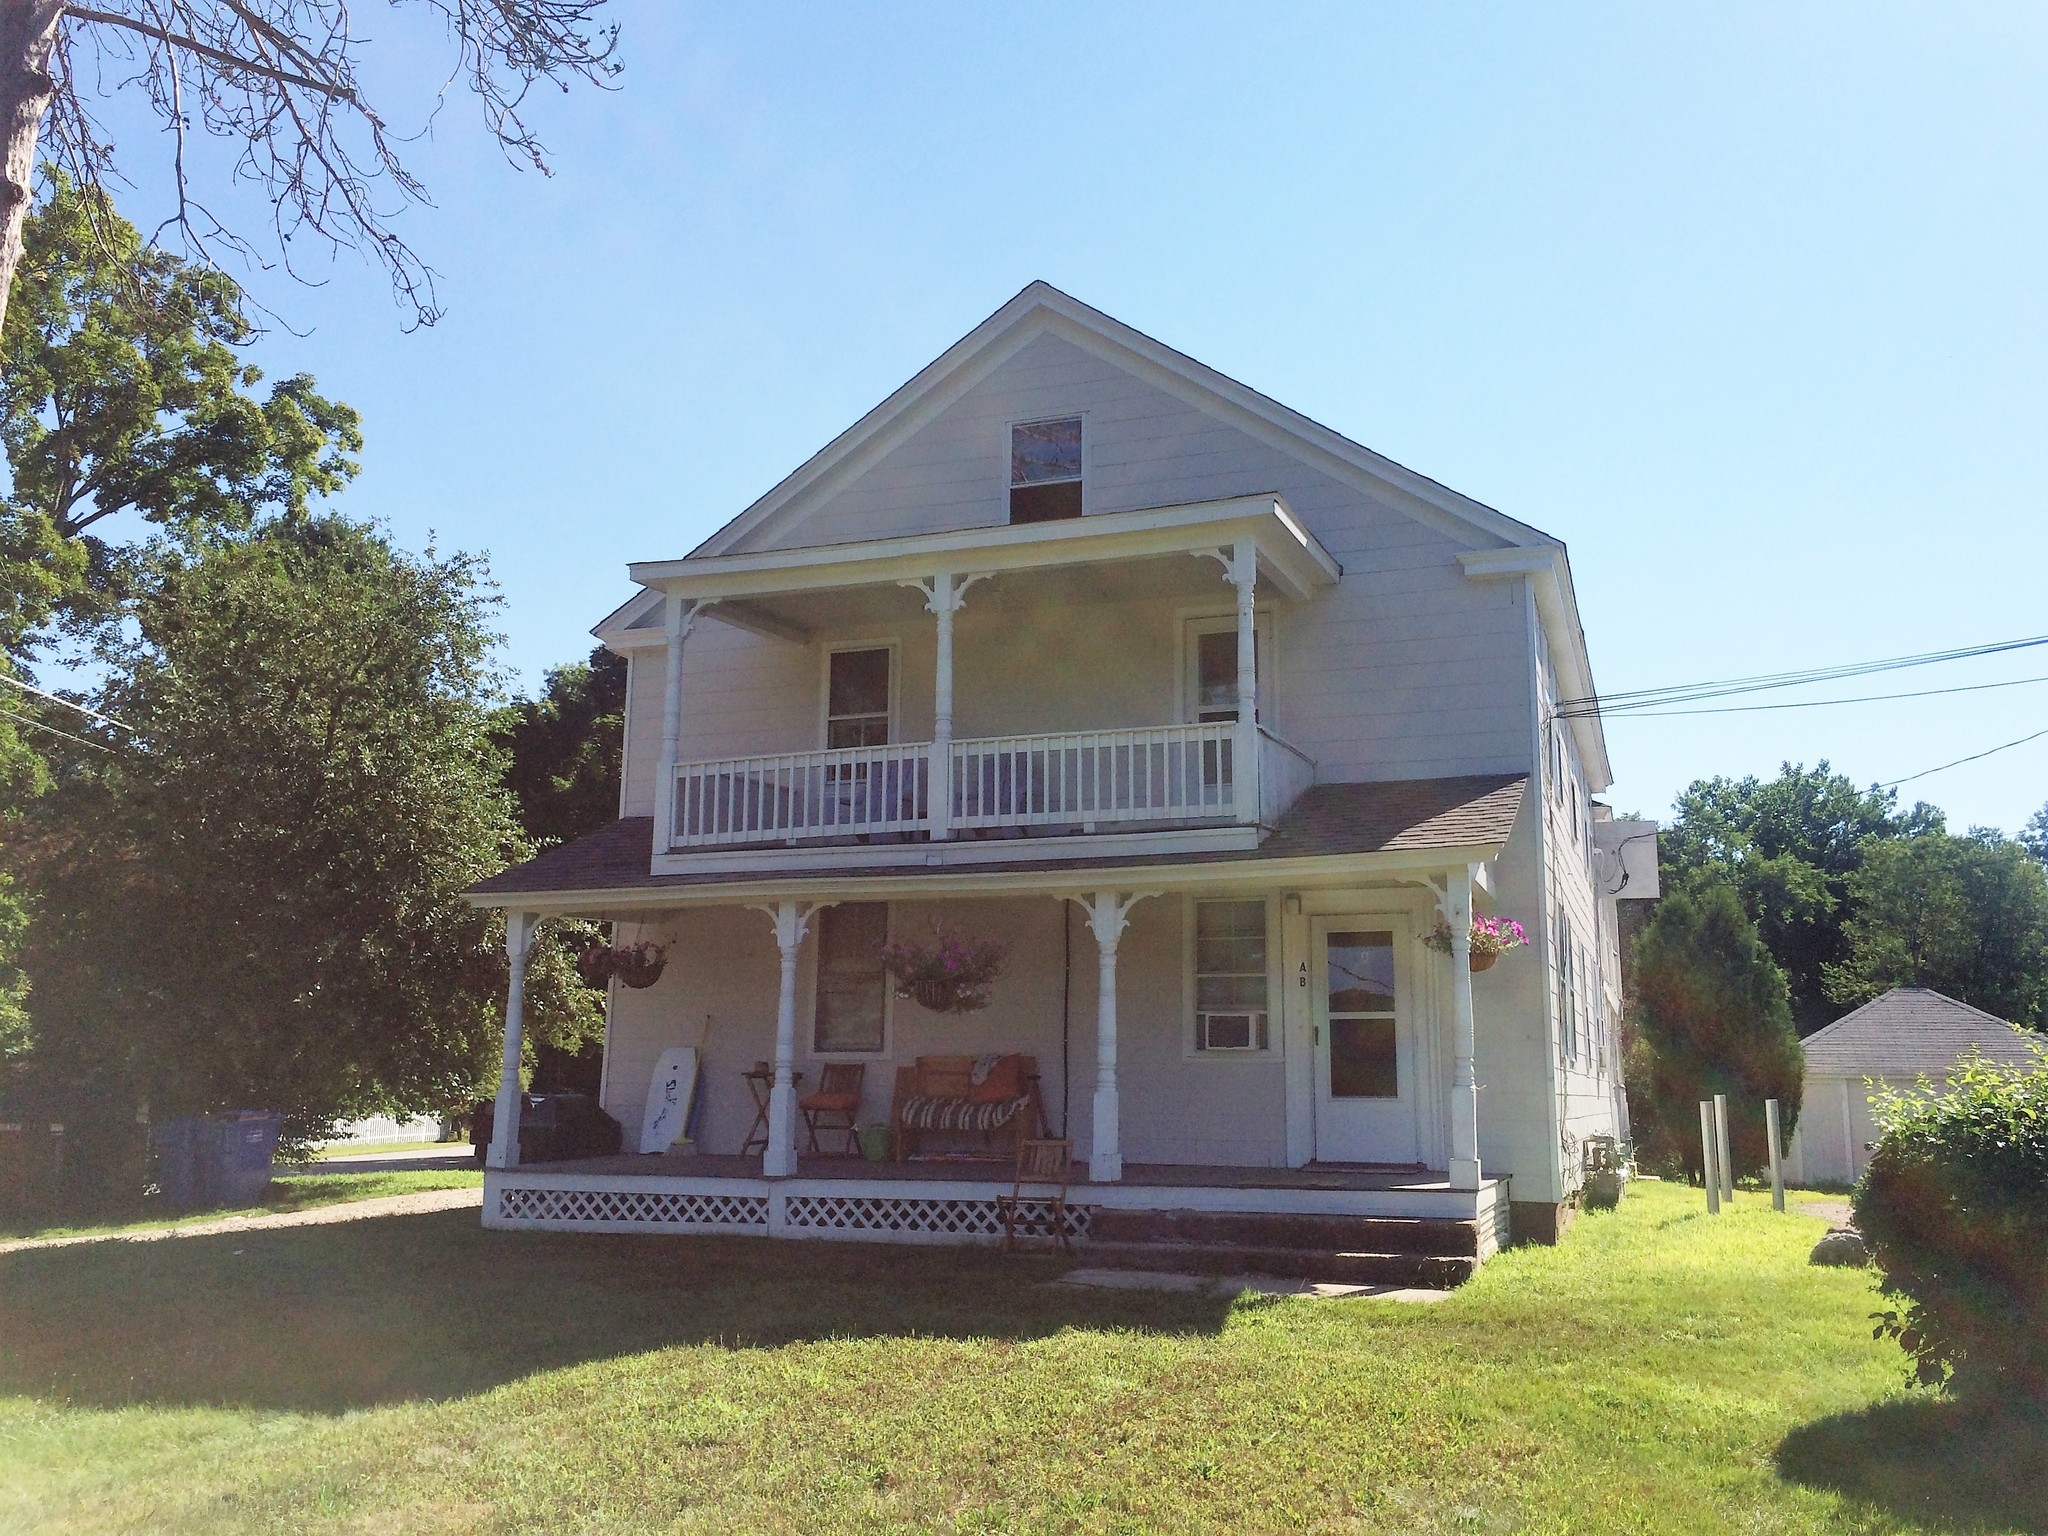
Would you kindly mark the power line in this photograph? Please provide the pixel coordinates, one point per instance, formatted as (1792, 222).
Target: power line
(1973, 757)
(28, 720)
(1687, 693)
(1865, 698)
(57, 698)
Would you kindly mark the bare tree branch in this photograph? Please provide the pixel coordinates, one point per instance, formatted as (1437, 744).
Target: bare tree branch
(277, 81)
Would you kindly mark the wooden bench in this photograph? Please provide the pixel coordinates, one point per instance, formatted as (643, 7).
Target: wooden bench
(940, 1094)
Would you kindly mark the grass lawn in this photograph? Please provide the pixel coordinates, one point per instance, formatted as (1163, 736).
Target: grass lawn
(293, 1192)
(1656, 1372)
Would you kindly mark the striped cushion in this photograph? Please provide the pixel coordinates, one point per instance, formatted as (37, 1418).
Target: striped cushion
(922, 1112)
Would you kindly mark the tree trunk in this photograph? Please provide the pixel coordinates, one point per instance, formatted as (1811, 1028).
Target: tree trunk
(28, 32)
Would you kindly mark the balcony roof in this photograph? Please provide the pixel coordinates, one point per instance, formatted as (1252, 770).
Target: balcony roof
(1335, 831)
(1289, 555)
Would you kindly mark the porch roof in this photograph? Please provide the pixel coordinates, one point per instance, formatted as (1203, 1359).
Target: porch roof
(1384, 825)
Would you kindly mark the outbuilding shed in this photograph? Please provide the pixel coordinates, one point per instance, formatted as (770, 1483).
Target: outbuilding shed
(1896, 1039)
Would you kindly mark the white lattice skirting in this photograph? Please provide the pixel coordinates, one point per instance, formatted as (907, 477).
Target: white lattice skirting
(881, 1218)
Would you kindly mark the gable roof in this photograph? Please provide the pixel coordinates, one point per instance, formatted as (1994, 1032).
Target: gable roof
(1382, 816)
(1910, 1031)
(1040, 309)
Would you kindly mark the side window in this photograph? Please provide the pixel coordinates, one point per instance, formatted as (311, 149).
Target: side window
(1045, 470)
(853, 992)
(1212, 669)
(1230, 977)
(857, 698)
(1567, 1044)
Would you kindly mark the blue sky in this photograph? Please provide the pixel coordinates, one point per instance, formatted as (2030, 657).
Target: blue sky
(1744, 303)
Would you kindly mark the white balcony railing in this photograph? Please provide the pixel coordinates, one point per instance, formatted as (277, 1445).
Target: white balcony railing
(1087, 780)
(1095, 778)
(796, 795)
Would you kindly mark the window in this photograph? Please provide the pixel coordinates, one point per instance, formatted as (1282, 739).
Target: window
(1212, 669)
(857, 698)
(1045, 470)
(1230, 976)
(853, 992)
(1567, 1043)
(1365, 1045)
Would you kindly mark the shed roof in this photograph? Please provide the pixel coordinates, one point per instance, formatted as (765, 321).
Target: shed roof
(1909, 1031)
(1387, 816)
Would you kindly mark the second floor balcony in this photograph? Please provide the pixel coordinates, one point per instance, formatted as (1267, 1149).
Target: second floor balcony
(1076, 632)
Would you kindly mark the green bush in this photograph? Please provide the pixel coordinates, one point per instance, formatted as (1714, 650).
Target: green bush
(1954, 1207)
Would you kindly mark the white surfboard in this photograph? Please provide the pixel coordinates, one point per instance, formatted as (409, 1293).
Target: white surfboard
(668, 1098)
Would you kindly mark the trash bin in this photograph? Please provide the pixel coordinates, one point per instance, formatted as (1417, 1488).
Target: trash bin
(244, 1142)
(206, 1162)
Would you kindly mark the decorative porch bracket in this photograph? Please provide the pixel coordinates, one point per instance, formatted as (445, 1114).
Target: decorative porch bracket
(1241, 569)
(1454, 903)
(792, 920)
(678, 619)
(1108, 914)
(504, 1149)
(944, 595)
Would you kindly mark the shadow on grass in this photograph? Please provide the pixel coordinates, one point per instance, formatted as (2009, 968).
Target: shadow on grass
(398, 1308)
(1946, 1464)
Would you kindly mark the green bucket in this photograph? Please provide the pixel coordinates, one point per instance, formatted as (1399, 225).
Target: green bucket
(874, 1143)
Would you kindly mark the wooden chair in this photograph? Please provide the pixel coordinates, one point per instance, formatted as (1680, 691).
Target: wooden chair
(836, 1104)
(1044, 1169)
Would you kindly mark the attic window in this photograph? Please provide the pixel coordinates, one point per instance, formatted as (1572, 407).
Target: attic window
(1045, 470)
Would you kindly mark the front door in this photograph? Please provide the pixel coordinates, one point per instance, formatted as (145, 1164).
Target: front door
(1366, 1067)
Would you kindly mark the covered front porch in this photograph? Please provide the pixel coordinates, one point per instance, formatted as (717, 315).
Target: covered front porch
(1265, 1035)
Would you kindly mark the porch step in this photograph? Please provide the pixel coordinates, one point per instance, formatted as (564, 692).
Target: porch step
(1441, 1271)
(1432, 1236)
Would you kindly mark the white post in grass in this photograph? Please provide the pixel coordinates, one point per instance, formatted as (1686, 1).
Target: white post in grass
(1776, 1138)
(1721, 1147)
(792, 920)
(1709, 1174)
(504, 1149)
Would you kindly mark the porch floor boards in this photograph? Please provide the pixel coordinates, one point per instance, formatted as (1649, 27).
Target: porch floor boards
(709, 1165)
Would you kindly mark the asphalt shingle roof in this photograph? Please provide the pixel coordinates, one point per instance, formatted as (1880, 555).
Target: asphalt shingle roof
(1910, 1031)
(1395, 815)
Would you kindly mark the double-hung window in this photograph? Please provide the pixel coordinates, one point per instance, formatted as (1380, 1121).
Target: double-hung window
(1567, 993)
(857, 698)
(1045, 470)
(1230, 977)
(853, 992)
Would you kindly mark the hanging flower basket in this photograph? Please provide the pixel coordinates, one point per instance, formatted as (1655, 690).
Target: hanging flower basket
(1492, 937)
(635, 965)
(950, 975)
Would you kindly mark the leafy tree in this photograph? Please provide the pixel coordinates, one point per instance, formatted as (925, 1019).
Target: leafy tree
(2034, 836)
(255, 899)
(281, 85)
(121, 391)
(1788, 846)
(1965, 915)
(1711, 1017)
(564, 748)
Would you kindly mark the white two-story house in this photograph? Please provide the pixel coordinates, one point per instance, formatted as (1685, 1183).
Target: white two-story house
(1206, 713)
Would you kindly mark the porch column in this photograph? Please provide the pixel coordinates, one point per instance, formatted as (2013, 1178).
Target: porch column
(677, 620)
(1457, 909)
(792, 920)
(943, 596)
(1107, 915)
(1241, 569)
(504, 1148)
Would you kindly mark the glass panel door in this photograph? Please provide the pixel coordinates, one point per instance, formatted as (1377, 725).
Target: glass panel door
(1364, 1034)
